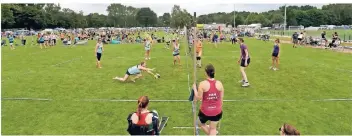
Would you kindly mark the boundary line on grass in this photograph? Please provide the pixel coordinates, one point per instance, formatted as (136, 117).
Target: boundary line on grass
(119, 57)
(178, 100)
(67, 61)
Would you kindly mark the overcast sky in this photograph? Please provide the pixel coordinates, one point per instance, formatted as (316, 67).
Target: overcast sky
(160, 9)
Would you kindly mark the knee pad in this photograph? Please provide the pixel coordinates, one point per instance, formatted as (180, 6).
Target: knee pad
(198, 58)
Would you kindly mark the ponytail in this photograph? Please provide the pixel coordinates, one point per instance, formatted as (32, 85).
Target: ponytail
(142, 103)
(139, 109)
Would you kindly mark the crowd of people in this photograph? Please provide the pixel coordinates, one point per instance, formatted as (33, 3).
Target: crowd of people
(301, 38)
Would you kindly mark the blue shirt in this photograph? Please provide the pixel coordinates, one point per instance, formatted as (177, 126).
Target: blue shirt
(11, 39)
(276, 49)
(100, 48)
(134, 70)
(176, 49)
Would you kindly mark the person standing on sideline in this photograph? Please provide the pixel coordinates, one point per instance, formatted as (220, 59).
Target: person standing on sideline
(233, 37)
(211, 92)
(295, 39)
(244, 61)
(98, 52)
(143, 121)
(215, 40)
(11, 41)
(275, 55)
(323, 38)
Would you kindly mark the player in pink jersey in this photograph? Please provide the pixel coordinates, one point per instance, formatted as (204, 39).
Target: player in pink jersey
(211, 92)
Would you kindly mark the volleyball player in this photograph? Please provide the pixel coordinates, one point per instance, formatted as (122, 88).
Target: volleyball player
(275, 55)
(211, 92)
(244, 61)
(98, 52)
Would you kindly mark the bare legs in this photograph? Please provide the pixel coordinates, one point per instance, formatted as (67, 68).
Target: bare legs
(209, 129)
(126, 77)
(177, 58)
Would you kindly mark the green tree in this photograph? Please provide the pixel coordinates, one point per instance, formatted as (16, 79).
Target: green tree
(146, 17)
(166, 18)
(7, 18)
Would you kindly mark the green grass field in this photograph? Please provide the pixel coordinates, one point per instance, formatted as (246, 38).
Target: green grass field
(297, 94)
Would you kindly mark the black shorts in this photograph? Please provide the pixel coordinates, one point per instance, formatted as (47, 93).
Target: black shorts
(99, 56)
(176, 54)
(295, 41)
(204, 118)
(41, 41)
(275, 54)
(243, 61)
(128, 73)
(299, 39)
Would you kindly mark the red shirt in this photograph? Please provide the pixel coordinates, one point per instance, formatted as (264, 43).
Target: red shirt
(211, 102)
(141, 121)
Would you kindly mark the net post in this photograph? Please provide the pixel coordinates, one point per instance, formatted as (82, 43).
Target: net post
(195, 37)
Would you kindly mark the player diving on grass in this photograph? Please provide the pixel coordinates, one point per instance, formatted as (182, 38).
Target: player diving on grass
(137, 71)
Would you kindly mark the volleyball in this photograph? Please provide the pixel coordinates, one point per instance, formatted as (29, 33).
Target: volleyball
(157, 76)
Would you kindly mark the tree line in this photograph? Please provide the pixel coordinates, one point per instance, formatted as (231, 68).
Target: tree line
(39, 16)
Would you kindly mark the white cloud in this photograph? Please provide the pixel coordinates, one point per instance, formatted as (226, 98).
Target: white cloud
(200, 8)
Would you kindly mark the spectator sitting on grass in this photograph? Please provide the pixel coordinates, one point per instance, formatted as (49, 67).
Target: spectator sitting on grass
(143, 122)
(287, 129)
(335, 43)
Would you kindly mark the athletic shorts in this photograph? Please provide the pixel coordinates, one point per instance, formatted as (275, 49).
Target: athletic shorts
(99, 56)
(295, 41)
(176, 54)
(128, 73)
(41, 41)
(275, 54)
(204, 118)
(299, 39)
(243, 61)
(147, 49)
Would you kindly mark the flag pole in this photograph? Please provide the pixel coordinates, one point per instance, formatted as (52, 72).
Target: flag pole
(195, 37)
(285, 21)
(234, 16)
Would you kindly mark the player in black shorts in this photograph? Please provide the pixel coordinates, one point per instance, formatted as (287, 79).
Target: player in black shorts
(323, 39)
